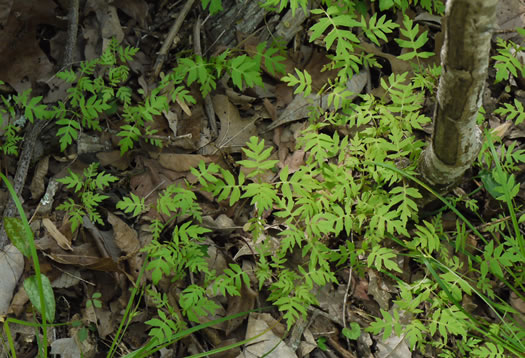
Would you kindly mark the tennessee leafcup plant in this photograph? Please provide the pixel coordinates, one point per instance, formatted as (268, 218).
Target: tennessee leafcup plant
(351, 204)
(98, 89)
(88, 199)
(178, 254)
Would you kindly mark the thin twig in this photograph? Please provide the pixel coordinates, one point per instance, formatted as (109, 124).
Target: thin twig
(208, 105)
(345, 298)
(169, 39)
(32, 133)
(72, 32)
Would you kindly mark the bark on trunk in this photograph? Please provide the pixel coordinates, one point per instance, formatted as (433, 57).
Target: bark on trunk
(456, 139)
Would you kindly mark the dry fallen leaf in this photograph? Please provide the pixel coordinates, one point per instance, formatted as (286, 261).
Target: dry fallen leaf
(37, 186)
(236, 304)
(11, 268)
(266, 342)
(393, 347)
(181, 162)
(235, 131)
(125, 237)
(60, 238)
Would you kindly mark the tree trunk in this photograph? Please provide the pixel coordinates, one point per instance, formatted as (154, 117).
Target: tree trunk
(456, 139)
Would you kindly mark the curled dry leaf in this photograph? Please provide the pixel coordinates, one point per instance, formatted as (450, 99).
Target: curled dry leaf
(125, 237)
(60, 238)
(266, 342)
(127, 240)
(37, 186)
(181, 162)
(235, 131)
(11, 267)
(236, 304)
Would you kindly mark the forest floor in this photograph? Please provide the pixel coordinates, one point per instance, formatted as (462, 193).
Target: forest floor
(93, 267)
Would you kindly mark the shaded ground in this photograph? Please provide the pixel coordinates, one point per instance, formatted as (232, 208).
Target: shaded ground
(104, 258)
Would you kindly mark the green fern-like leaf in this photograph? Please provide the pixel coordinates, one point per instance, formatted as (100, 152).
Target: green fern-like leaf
(214, 6)
(132, 204)
(244, 70)
(337, 20)
(195, 304)
(303, 81)
(273, 63)
(507, 63)
(257, 156)
(414, 41)
(377, 28)
(383, 256)
(512, 112)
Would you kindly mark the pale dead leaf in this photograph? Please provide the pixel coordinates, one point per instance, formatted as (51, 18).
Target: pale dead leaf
(65, 347)
(11, 268)
(267, 344)
(223, 223)
(109, 22)
(68, 278)
(105, 322)
(18, 303)
(379, 290)
(60, 238)
(125, 237)
(235, 131)
(295, 161)
(270, 108)
(184, 107)
(502, 129)
(393, 347)
(510, 15)
(173, 121)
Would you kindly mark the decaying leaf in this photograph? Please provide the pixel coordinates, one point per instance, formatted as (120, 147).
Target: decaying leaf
(11, 268)
(37, 186)
(60, 238)
(125, 237)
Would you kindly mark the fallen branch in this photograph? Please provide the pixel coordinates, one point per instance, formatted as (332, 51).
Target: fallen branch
(163, 53)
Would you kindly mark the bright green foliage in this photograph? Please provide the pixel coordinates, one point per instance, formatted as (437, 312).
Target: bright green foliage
(377, 28)
(325, 195)
(350, 205)
(432, 6)
(280, 5)
(14, 228)
(11, 121)
(184, 253)
(272, 62)
(353, 332)
(162, 328)
(32, 289)
(415, 41)
(94, 300)
(507, 62)
(86, 187)
(132, 204)
(215, 6)
(257, 155)
(514, 112)
(195, 303)
(303, 81)
(243, 70)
